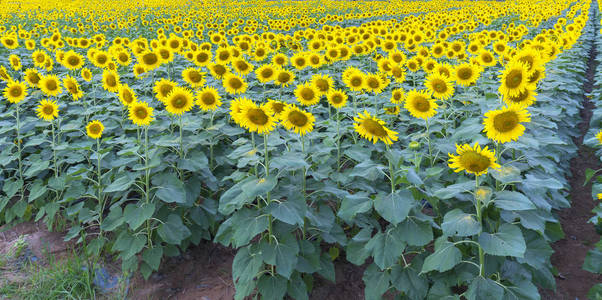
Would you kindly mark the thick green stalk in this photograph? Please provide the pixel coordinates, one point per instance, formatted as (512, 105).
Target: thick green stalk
(19, 151)
(480, 220)
(100, 197)
(56, 169)
(267, 174)
(428, 139)
(147, 185)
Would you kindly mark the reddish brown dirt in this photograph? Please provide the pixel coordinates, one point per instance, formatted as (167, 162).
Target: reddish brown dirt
(40, 241)
(572, 281)
(202, 273)
(349, 284)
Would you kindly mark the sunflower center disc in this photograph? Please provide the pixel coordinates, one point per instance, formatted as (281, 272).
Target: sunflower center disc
(298, 119)
(474, 161)
(257, 116)
(505, 122)
(374, 128)
(422, 104)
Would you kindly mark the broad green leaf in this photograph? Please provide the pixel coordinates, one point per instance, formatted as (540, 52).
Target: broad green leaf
(508, 241)
(386, 247)
(245, 267)
(415, 232)
(231, 231)
(173, 231)
(593, 261)
(135, 215)
(152, 256)
(113, 220)
(36, 168)
(394, 207)
(509, 200)
(290, 211)
(297, 288)
(119, 185)
(458, 223)
(272, 287)
(376, 281)
(407, 280)
(282, 254)
(244, 192)
(445, 257)
(484, 288)
(169, 188)
(37, 190)
(354, 204)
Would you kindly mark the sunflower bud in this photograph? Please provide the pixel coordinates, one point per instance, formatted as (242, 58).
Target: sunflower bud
(414, 145)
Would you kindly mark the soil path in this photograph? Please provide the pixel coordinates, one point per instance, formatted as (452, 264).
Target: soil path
(572, 281)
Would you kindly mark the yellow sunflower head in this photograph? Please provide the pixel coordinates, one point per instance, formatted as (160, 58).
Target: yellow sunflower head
(110, 81)
(162, 88)
(297, 120)
(73, 60)
(353, 79)
(127, 95)
(420, 104)
(179, 101)
(33, 77)
(337, 98)
(86, 74)
(73, 87)
(514, 79)
(234, 84)
(15, 91)
(322, 83)
(218, 71)
(599, 137)
(47, 110)
(466, 74)
(439, 86)
(149, 60)
(373, 129)
(284, 77)
(524, 99)
(473, 160)
(266, 73)
(258, 119)
(504, 125)
(50, 85)
(208, 99)
(398, 96)
(140, 113)
(236, 106)
(94, 129)
(374, 83)
(194, 77)
(307, 95)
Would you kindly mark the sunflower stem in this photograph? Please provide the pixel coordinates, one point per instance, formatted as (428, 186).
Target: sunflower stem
(100, 198)
(211, 143)
(338, 144)
(267, 174)
(428, 139)
(254, 149)
(147, 186)
(391, 172)
(480, 220)
(56, 169)
(19, 150)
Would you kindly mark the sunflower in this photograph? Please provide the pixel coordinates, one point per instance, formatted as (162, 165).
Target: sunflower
(234, 84)
(32, 77)
(487, 59)
(393, 110)
(504, 125)
(208, 99)
(140, 113)
(599, 137)
(297, 120)
(276, 106)
(257, 119)
(73, 87)
(179, 101)
(202, 58)
(439, 86)
(218, 71)
(528, 57)
(4, 74)
(322, 83)
(307, 95)
(353, 79)
(420, 104)
(236, 108)
(466, 74)
(284, 77)
(374, 83)
(149, 60)
(162, 88)
(373, 129)
(73, 60)
(101, 59)
(524, 99)
(266, 73)
(48, 110)
(126, 95)
(538, 74)
(337, 98)
(280, 59)
(86, 74)
(94, 129)
(514, 79)
(50, 85)
(15, 62)
(15, 91)
(299, 60)
(241, 66)
(473, 160)
(110, 81)
(194, 77)
(39, 58)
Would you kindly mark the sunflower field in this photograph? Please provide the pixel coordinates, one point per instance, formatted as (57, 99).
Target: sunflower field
(427, 141)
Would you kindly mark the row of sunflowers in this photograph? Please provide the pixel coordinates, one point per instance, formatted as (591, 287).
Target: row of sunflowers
(414, 137)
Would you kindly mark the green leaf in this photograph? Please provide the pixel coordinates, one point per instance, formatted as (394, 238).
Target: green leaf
(37, 190)
(173, 231)
(135, 215)
(509, 200)
(289, 162)
(290, 211)
(376, 282)
(119, 185)
(113, 220)
(445, 257)
(282, 254)
(595, 292)
(244, 192)
(354, 204)
(589, 173)
(297, 288)
(394, 207)
(36, 168)
(129, 245)
(484, 288)
(245, 267)
(458, 223)
(415, 232)
(386, 247)
(170, 188)
(152, 256)
(272, 287)
(230, 231)
(508, 241)
(408, 280)
(593, 261)
(454, 189)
